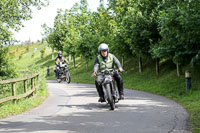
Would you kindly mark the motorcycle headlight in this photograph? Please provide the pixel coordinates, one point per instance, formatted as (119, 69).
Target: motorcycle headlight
(106, 72)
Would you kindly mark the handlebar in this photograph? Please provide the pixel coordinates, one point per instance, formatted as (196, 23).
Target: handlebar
(108, 71)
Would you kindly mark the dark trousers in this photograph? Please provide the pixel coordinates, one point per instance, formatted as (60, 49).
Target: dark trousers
(57, 72)
(99, 80)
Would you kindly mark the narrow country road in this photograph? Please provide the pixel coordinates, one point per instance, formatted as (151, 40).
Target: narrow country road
(73, 108)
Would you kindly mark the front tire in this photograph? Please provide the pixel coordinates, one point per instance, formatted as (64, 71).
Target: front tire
(110, 97)
(68, 78)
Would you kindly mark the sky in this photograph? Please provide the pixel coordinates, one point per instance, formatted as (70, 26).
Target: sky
(32, 29)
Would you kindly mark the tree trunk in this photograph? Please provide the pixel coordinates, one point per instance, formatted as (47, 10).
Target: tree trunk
(157, 66)
(87, 66)
(179, 69)
(69, 59)
(52, 53)
(74, 61)
(123, 62)
(140, 64)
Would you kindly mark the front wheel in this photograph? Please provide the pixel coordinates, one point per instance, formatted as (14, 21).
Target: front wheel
(68, 78)
(110, 97)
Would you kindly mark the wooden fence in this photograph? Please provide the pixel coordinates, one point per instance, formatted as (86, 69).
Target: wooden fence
(14, 97)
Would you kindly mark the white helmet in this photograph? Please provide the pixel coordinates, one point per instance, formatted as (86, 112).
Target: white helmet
(103, 46)
(59, 52)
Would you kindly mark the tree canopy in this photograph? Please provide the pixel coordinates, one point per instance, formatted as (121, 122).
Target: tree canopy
(154, 29)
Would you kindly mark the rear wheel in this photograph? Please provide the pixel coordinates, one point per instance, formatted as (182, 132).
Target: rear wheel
(110, 97)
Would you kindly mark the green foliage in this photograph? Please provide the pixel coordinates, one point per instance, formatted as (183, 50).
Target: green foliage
(12, 14)
(179, 30)
(155, 29)
(6, 66)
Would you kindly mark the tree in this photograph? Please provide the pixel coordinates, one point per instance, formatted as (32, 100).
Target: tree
(138, 25)
(12, 14)
(179, 28)
(87, 41)
(73, 33)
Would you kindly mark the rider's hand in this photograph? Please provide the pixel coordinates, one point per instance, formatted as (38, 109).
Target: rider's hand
(121, 70)
(94, 74)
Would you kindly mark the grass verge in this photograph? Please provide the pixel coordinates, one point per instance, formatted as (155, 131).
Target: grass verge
(25, 104)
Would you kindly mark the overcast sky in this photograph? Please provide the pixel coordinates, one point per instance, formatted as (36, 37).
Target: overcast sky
(32, 28)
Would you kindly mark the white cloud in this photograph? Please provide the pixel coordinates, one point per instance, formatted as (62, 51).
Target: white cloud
(32, 28)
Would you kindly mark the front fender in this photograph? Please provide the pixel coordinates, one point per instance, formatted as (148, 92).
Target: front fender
(107, 80)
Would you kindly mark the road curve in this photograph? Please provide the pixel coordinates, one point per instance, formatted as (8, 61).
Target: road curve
(73, 108)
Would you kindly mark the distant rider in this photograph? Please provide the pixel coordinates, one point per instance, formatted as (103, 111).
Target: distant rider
(106, 60)
(57, 61)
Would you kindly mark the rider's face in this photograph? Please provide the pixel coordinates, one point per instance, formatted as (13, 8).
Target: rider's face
(104, 53)
(60, 55)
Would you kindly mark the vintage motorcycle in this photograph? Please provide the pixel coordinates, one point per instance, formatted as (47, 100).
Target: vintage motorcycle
(64, 74)
(111, 94)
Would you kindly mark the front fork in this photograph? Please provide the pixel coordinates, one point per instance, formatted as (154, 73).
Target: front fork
(114, 92)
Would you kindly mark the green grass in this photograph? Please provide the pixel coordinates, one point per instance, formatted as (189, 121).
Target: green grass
(24, 66)
(166, 84)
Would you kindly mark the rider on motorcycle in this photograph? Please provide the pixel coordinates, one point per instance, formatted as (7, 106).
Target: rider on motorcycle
(57, 61)
(106, 60)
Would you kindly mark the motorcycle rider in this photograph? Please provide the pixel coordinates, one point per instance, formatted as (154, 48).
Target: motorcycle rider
(106, 60)
(57, 61)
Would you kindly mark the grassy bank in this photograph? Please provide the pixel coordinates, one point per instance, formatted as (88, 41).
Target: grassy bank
(166, 84)
(27, 61)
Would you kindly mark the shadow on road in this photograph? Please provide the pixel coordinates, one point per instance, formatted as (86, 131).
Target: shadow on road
(90, 121)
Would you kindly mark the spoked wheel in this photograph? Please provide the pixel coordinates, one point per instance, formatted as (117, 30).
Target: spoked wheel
(110, 97)
(68, 78)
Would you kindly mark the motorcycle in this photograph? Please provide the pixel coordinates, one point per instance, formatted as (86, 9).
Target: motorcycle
(111, 94)
(64, 74)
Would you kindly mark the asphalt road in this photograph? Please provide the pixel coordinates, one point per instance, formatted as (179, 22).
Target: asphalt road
(73, 108)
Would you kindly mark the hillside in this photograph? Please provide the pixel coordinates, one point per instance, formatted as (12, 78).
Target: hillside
(26, 59)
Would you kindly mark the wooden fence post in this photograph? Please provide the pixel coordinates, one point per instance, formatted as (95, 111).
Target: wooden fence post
(32, 84)
(25, 86)
(13, 92)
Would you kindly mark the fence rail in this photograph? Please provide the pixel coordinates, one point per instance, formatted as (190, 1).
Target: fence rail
(14, 97)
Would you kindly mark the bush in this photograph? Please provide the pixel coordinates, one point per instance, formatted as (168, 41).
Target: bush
(6, 66)
(20, 56)
(42, 53)
(27, 48)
